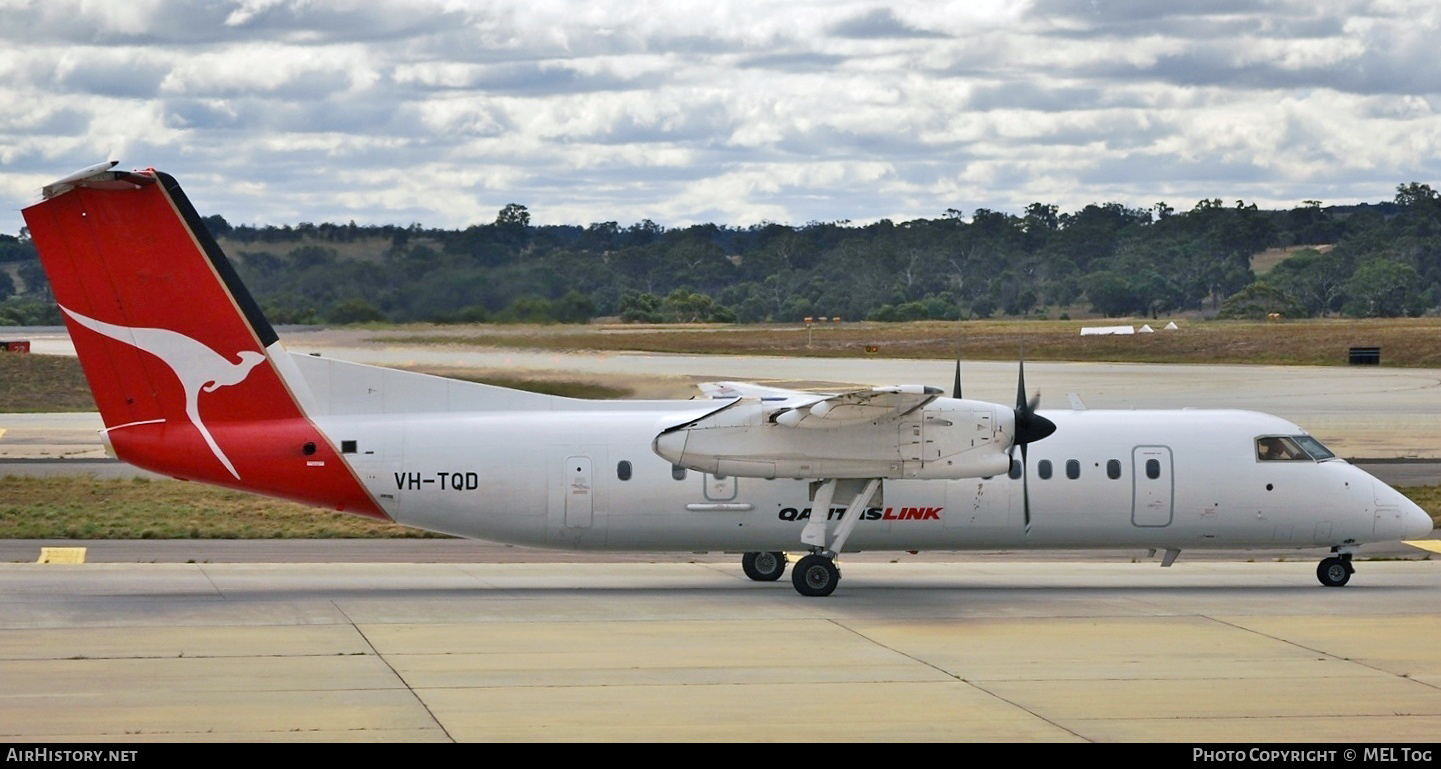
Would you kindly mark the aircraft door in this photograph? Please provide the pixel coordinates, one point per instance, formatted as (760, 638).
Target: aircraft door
(579, 493)
(1153, 498)
(376, 454)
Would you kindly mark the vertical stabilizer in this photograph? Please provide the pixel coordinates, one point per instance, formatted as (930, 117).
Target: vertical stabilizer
(177, 352)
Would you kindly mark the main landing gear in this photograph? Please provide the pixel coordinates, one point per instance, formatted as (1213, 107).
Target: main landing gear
(1336, 570)
(764, 567)
(815, 575)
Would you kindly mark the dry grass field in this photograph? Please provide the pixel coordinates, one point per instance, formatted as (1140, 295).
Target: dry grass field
(54, 383)
(1406, 342)
(87, 508)
(31, 383)
(1264, 261)
(42, 383)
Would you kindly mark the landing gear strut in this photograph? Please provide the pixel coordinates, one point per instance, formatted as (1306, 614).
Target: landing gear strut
(764, 567)
(816, 574)
(1336, 570)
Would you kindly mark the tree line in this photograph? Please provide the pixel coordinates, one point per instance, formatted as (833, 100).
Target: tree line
(1366, 260)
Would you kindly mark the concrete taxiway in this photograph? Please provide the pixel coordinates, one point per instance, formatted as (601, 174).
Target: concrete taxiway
(961, 650)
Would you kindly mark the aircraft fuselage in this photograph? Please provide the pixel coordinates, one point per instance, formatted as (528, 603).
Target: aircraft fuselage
(589, 480)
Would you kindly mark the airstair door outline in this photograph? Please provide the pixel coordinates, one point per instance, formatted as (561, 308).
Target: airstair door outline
(579, 493)
(1153, 498)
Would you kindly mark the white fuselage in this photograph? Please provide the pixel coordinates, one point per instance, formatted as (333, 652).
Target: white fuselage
(563, 473)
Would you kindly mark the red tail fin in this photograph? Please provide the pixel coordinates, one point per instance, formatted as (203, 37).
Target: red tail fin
(177, 352)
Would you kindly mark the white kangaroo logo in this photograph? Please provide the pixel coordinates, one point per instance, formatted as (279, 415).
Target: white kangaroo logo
(196, 366)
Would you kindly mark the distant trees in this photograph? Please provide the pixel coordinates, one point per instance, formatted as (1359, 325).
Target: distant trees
(1383, 288)
(1361, 260)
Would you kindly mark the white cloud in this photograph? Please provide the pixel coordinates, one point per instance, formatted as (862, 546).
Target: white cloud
(443, 110)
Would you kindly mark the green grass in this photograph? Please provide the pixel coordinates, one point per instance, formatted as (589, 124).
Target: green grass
(86, 508)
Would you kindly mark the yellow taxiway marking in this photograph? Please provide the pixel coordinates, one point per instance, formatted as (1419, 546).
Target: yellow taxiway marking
(62, 555)
(1430, 545)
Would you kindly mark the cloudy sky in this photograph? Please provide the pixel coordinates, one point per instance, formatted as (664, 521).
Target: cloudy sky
(732, 111)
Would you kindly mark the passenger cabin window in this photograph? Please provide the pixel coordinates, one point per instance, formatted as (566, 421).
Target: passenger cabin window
(1015, 469)
(1153, 469)
(677, 472)
(622, 470)
(1044, 469)
(1279, 448)
(1113, 469)
(1073, 469)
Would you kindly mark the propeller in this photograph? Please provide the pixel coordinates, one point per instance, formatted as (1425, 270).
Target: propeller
(1030, 427)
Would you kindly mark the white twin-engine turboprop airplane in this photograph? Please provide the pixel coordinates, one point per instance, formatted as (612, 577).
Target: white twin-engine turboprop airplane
(191, 381)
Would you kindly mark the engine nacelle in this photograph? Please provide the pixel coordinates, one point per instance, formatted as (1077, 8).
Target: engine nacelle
(947, 439)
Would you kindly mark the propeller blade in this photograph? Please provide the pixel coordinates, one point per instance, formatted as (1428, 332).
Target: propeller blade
(956, 388)
(1021, 384)
(1030, 427)
(1026, 488)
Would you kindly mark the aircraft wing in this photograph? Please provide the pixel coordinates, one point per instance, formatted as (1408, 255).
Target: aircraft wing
(751, 390)
(855, 406)
(796, 408)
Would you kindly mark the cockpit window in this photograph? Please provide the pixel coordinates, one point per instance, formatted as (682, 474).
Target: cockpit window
(1277, 448)
(1314, 448)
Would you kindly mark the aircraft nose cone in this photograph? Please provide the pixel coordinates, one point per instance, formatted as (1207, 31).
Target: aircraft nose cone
(1398, 517)
(1418, 523)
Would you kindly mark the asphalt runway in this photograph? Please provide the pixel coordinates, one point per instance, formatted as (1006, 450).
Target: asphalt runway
(1018, 651)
